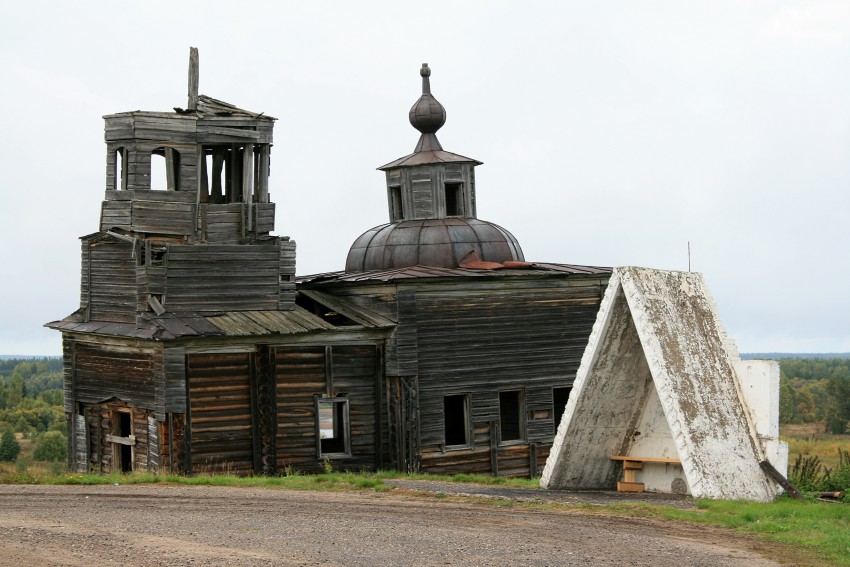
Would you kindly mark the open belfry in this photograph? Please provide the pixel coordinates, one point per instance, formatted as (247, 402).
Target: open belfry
(194, 349)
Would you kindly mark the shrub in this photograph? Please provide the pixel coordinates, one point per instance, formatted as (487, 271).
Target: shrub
(50, 446)
(9, 446)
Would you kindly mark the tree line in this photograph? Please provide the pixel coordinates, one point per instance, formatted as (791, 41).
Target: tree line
(31, 404)
(815, 390)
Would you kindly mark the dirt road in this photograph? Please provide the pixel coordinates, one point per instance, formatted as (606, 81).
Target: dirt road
(178, 525)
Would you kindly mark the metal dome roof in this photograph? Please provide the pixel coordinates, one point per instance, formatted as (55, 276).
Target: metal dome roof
(431, 242)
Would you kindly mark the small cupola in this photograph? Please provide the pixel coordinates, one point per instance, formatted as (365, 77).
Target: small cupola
(432, 205)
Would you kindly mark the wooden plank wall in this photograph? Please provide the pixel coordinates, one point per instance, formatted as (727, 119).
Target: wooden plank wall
(127, 372)
(112, 281)
(355, 371)
(221, 413)
(304, 372)
(481, 340)
(300, 373)
(223, 277)
(286, 301)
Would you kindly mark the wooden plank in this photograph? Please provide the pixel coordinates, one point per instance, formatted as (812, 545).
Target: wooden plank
(192, 103)
(635, 459)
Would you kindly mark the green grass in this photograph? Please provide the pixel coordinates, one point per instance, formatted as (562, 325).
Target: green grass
(803, 532)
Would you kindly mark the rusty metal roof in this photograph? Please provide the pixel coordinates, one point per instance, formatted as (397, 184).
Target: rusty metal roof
(434, 156)
(535, 269)
(228, 324)
(433, 242)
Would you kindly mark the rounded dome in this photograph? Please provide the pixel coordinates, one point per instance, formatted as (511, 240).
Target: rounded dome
(431, 242)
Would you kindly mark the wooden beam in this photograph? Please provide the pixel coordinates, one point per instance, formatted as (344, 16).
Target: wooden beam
(194, 73)
(781, 480)
(129, 440)
(248, 184)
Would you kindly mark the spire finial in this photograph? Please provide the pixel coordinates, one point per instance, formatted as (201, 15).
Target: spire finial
(427, 115)
(426, 82)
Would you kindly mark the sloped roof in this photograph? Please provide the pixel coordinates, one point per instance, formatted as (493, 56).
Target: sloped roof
(533, 269)
(659, 329)
(422, 158)
(227, 323)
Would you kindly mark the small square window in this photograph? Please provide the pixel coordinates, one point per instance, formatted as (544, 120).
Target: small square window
(511, 424)
(333, 427)
(454, 199)
(456, 421)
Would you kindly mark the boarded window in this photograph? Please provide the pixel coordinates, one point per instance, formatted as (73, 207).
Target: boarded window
(333, 426)
(559, 400)
(510, 415)
(456, 416)
(454, 199)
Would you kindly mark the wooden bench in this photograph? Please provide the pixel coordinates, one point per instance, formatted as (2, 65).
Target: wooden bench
(632, 464)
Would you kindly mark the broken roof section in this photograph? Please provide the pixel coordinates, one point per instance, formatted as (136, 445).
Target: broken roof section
(658, 341)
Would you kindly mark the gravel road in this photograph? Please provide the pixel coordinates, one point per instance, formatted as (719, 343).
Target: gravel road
(179, 525)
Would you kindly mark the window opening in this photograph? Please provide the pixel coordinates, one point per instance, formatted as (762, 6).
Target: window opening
(120, 171)
(510, 415)
(396, 210)
(454, 199)
(333, 426)
(456, 417)
(560, 396)
(158, 170)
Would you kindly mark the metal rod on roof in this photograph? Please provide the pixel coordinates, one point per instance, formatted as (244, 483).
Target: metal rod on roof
(689, 256)
(193, 79)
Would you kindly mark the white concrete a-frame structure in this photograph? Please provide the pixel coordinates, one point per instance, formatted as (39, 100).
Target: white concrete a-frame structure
(658, 382)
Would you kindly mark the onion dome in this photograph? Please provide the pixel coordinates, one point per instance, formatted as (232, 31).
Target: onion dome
(427, 115)
(441, 242)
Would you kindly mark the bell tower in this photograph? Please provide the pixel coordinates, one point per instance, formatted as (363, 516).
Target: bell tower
(198, 174)
(186, 219)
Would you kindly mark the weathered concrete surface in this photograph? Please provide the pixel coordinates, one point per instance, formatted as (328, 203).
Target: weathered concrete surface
(658, 330)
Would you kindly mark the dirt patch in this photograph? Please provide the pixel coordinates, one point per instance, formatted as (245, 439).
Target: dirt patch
(178, 525)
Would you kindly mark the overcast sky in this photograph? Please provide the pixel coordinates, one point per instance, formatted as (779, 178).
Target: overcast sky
(612, 133)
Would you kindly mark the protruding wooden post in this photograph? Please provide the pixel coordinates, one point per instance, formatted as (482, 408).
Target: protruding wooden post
(193, 79)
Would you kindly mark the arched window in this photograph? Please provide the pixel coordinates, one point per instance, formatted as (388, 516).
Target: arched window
(119, 169)
(165, 169)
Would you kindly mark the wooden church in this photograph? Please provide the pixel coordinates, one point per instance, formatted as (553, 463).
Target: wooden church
(196, 349)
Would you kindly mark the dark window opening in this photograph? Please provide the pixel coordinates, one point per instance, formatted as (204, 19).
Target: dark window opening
(510, 415)
(396, 209)
(333, 424)
(454, 199)
(456, 416)
(560, 396)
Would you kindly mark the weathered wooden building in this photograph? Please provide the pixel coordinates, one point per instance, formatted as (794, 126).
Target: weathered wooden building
(438, 348)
